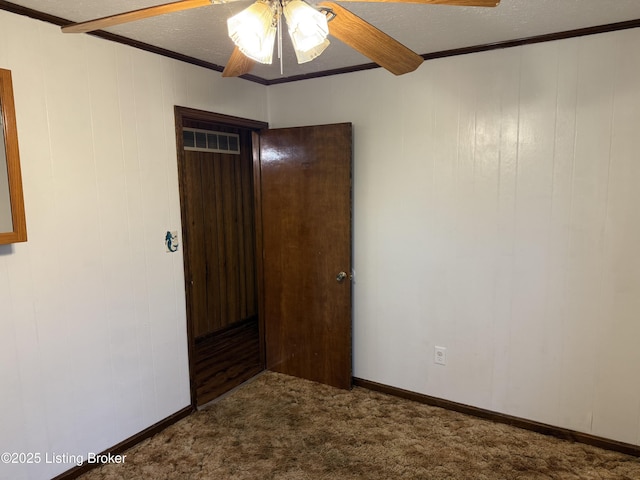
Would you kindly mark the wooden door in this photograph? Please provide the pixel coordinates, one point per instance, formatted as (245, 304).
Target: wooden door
(305, 207)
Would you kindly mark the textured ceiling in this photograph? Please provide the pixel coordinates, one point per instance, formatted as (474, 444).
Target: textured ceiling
(201, 33)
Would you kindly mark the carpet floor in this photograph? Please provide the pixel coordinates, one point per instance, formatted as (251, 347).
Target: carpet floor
(283, 428)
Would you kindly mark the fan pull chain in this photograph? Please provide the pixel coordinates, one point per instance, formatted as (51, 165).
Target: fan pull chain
(279, 15)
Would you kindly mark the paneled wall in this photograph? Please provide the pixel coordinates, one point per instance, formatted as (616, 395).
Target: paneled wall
(496, 214)
(92, 318)
(219, 212)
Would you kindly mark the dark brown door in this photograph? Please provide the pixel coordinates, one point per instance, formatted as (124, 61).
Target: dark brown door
(305, 202)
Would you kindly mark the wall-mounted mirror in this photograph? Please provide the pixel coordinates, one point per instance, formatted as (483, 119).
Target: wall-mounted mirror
(13, 227)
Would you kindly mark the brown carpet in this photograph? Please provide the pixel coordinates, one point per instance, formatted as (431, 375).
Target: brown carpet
(279, 427)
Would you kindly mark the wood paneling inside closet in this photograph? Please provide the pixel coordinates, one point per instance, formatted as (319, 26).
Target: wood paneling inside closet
(221, 239)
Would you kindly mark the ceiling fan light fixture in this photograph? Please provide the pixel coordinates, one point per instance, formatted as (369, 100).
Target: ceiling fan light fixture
(253, 30)
(307, 26)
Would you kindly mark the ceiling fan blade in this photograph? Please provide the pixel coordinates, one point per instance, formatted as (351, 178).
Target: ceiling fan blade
(371, 42)
(459, 3)
(134, 15)
(238, 64)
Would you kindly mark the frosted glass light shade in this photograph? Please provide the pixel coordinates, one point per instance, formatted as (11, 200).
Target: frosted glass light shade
(253, 30)
(307, 27)
(309, 55)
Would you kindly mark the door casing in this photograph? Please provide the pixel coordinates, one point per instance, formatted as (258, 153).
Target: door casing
(183, 115)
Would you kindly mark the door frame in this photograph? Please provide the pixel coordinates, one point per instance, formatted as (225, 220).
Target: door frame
(181, 115)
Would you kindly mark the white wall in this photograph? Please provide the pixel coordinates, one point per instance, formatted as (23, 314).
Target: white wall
(92, 317)
(496, 214)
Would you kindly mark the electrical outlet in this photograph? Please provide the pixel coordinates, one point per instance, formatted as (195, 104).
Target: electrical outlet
(440, 355)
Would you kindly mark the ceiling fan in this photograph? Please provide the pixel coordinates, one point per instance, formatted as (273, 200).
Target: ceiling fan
(253, 30)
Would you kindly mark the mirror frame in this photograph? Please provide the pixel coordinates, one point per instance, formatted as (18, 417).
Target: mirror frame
(8, 112)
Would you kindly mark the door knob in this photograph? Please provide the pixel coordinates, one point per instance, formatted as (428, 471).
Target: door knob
(341, 276)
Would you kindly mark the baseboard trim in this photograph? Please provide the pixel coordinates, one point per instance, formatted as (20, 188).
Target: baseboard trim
(545, 429)
(75, 472)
